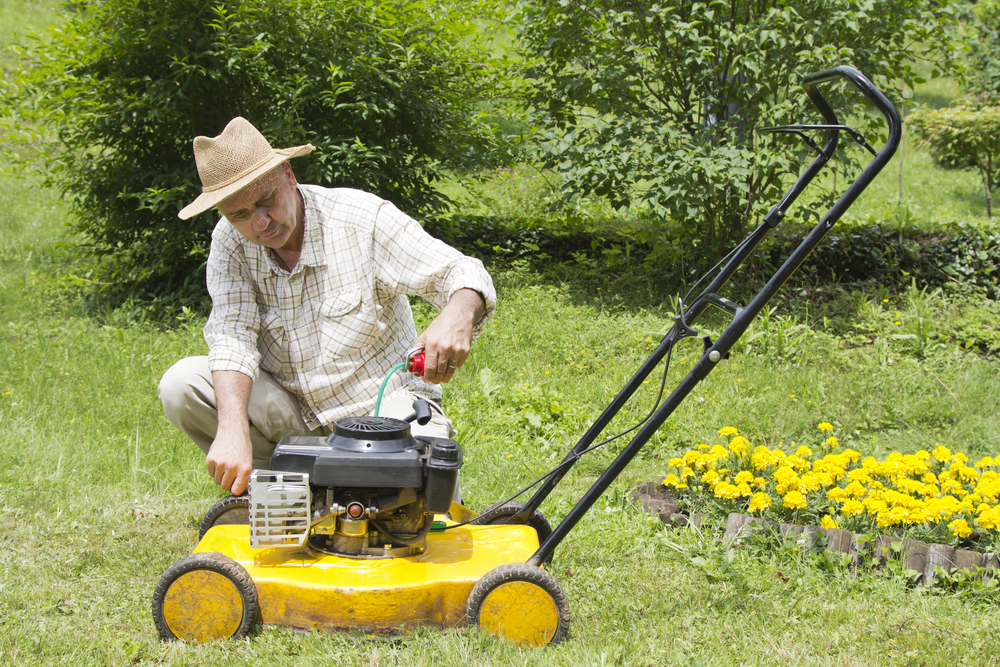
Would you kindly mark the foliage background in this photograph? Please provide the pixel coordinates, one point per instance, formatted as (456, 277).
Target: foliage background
(110, 102)
(655, 105)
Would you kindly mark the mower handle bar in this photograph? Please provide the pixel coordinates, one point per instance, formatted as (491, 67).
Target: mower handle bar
(742, 317)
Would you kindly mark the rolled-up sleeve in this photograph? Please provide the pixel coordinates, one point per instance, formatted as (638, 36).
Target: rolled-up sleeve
(232, 328)
(411, 261)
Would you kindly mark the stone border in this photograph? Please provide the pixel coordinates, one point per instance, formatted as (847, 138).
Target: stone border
(927, 560)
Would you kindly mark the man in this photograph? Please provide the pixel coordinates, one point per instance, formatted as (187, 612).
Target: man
(309, 308)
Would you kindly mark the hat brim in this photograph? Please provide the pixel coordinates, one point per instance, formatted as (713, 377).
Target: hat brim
(207, 200)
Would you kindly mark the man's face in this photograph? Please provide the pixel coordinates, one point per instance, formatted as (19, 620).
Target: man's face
(266, 212)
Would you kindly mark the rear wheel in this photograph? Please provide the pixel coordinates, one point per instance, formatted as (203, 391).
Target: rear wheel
(205, 596)
(522, 603)
(231, 510)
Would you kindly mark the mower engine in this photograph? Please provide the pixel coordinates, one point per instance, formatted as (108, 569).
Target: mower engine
(370, 490)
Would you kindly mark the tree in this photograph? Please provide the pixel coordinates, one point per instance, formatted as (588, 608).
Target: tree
(983, 71)
(962, 137)
(655, 104)
(110, 103)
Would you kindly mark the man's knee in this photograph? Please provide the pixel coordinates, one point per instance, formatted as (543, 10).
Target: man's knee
(184, 384)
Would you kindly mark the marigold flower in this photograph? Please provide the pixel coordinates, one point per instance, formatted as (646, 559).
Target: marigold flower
(836, 494)
(941, 453)
(759, 501)
(986, 462)
(825, 426)
(794, 500)
(670, 480)
(743, 477)
(711, 478)
(803, 452)
(728, 432)
(960, 528)
(739, 446)
(726, 490)
(852, 507)
(828, 523)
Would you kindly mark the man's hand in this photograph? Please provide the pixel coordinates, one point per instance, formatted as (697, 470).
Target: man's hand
(230, 458)
(448, 339)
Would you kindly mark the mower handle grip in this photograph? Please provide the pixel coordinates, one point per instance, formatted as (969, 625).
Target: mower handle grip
(867, 88)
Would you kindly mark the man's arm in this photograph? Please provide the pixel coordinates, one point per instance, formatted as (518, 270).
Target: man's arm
(448, 339)
(230, 458)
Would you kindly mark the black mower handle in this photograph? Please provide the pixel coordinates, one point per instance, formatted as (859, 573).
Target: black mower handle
(742, 316)
(884, 106)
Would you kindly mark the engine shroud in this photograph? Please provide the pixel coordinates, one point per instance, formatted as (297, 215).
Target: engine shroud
(373, 486)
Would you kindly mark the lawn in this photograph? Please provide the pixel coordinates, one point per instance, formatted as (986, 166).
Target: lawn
(99, 494)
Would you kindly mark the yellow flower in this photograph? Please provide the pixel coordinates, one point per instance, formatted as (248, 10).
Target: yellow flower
(726, 490)
(728, 432)
(711, 478)
(739, 446)
(941, 453)
(803, 452)
(744, 477)
(986, 462)
(836, 494)
(670, 480)
(794, 500)
(960, 528)
(759, 501)
(852, 507)
(828, 523)
(825, 426)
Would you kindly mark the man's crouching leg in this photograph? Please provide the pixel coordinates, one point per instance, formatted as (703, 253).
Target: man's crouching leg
(188, 398)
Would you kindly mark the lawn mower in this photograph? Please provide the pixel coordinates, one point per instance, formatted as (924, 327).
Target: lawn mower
(360, 530)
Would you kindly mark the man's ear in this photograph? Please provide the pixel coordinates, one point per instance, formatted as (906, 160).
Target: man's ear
(289, 174)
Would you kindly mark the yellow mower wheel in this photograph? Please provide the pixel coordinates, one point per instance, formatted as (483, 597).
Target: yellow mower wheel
(205, 596)
(522, 603)
(234, 509)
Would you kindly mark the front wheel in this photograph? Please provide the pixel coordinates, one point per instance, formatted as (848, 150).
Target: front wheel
(522, 603)
(205, 596)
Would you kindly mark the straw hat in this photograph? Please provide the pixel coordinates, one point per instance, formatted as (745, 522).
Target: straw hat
(233, 160)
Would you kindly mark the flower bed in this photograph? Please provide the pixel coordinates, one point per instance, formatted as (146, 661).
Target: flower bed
(932, 496)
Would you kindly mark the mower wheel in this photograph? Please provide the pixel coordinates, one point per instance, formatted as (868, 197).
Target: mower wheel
(522, 603)
(234, 509)
(205, 596)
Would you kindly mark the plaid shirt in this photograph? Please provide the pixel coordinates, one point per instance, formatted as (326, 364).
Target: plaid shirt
(331, 329)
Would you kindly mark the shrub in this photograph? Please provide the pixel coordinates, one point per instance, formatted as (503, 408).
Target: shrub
(963, 137)
(655, 104)
(110, 103)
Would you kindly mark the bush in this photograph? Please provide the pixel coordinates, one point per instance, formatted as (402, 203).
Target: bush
(110, 103)
(655, 104)
(963, 137)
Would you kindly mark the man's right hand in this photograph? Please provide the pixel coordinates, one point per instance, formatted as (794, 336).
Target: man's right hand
(230, 460)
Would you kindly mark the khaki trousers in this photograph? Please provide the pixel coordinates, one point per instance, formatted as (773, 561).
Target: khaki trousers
(188, 398)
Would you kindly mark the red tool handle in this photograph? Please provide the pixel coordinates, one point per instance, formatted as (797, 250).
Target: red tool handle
(415, 360)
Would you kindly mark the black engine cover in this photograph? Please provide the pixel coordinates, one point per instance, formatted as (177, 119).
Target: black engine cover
(362, 452)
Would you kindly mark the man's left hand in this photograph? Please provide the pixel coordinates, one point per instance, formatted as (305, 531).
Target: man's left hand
(448, 339)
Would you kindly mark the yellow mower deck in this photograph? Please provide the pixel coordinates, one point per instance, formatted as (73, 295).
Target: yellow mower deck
(306, 589)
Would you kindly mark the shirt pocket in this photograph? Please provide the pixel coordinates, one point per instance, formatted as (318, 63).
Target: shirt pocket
(347, 324)
(273, 346)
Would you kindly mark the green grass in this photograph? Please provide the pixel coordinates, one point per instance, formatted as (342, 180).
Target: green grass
(99, 494)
